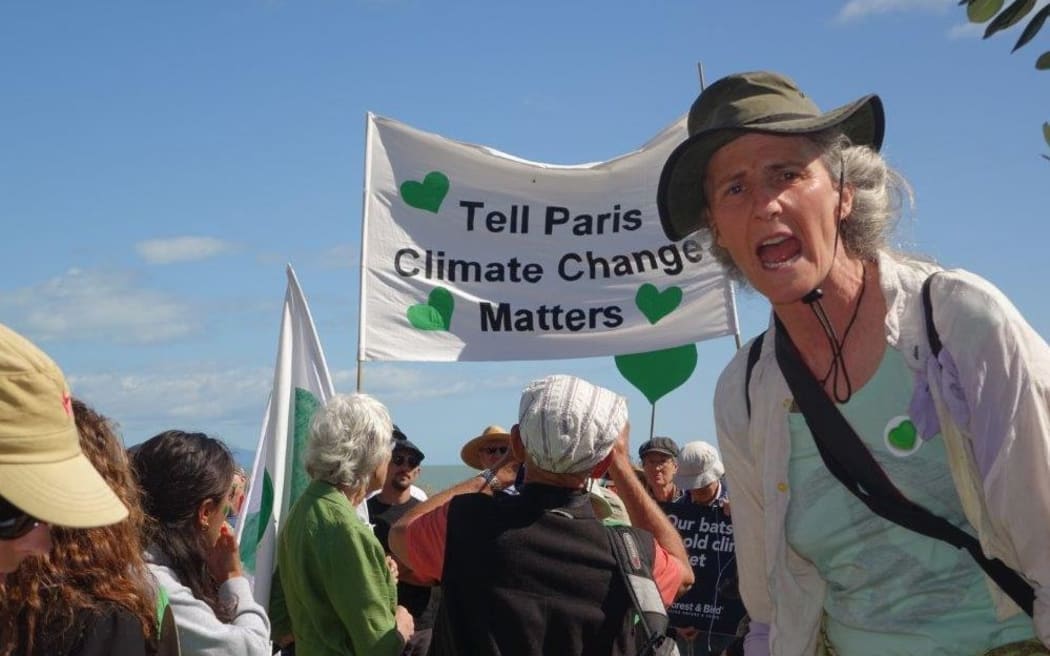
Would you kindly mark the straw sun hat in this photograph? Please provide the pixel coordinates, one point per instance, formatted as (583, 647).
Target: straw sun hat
(491, 436)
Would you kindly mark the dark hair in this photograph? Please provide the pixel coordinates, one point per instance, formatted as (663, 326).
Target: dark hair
(88, 570)
(177, 472)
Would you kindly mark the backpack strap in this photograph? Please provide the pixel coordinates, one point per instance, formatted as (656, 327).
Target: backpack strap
(641, 588)
(167, 636)
(927, 309)
(752, 359)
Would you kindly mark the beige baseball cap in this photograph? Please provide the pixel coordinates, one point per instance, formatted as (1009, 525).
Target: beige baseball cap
(42, 469)
(699, 465)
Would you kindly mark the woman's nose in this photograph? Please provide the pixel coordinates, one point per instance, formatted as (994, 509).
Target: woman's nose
(766, 202)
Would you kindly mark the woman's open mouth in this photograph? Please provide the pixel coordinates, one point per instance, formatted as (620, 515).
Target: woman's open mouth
(779, 251)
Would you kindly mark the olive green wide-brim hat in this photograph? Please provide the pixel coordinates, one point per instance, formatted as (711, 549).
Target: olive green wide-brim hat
(759, 101)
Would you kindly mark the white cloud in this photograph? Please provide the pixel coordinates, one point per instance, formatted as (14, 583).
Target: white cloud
(225, 403)
(229, 402)
(98, 305)
(858, 9)
(180, 249)
(395, 382)
(204, 394)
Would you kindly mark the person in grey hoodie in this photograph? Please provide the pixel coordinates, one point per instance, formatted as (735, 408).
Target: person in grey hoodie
(191, 550)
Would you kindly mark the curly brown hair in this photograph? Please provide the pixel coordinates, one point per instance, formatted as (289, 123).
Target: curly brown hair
(88, 570)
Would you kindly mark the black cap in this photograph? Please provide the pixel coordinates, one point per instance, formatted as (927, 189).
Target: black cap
(659, 445)
(406, 445)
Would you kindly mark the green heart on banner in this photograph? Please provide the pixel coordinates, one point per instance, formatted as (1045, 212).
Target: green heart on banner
(426, 195)
(655, 373)
(436, 313)
(656, 305)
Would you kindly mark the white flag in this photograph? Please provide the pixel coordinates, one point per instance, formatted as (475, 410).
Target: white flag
(472, 254)
(301, 385)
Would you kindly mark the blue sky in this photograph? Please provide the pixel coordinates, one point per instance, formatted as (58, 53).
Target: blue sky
(161, 162)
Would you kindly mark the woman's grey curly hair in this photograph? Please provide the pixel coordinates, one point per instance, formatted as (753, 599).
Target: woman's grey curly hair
(350, 437)
(880, 194)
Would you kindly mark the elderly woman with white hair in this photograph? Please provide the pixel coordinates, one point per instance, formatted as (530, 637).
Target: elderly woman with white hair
(340, 592)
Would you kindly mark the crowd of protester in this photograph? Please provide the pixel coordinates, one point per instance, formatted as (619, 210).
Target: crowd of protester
(107, 550)
(563, 545)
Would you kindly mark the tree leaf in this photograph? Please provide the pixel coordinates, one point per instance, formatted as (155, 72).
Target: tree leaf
(981, 11)
(1015, 12)
(1033, 27)
(1043, 63)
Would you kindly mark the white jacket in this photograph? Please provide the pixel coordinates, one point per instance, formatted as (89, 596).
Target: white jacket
(993, 405)
(201, 633)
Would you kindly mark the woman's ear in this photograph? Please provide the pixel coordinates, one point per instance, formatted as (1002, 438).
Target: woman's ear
(204, 512)
(517, 447)
(845, 202)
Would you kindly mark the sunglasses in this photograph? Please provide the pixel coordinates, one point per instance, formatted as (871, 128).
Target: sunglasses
(14, 523)
(493, 450)
(399, 460)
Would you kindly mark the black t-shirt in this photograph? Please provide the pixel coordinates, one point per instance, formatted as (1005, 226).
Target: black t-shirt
(415, 598)
(107, 631)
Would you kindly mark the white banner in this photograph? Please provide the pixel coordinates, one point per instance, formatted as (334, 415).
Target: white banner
(301, 385)
(472, 254)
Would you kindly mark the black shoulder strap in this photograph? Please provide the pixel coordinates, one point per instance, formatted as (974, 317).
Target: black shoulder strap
(927, 309)
(849, 460)
(167, 635)
(752, 359)
(645, 596)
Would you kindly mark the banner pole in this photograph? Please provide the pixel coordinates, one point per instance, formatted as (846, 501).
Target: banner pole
(363, 267)
(652, 420)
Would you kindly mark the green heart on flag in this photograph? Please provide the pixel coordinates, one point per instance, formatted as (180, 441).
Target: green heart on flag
(427, 195)
(436, 313)
(655, 373)
(656, 305)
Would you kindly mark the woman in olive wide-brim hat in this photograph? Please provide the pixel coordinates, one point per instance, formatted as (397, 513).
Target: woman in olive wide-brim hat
(487, 449)
(799, 204)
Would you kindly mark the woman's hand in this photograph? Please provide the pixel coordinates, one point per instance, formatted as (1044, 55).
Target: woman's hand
(406, 626)
(224, 561)
(391, 564)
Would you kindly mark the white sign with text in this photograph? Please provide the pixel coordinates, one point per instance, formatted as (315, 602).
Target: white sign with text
(472, 254)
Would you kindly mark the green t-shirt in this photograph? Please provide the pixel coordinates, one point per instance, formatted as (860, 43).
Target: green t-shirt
(891, 590)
